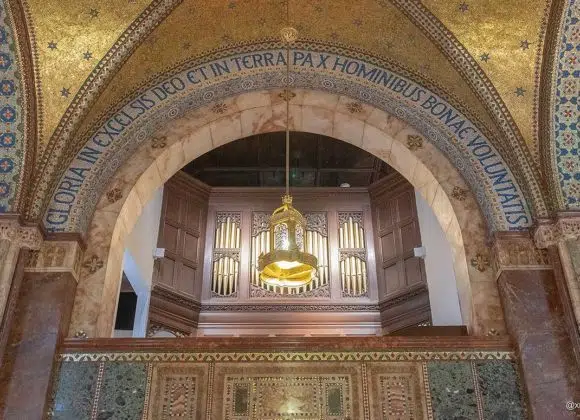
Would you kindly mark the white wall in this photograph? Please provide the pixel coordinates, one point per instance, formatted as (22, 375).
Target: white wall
(138, 259)
(439, 267)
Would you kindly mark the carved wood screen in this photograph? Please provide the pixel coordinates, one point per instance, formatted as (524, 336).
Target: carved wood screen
(316, 243)
(352, 254)
(226, 254)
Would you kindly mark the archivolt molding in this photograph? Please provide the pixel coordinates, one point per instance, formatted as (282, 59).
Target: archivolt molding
(414, 109)
(514, 149)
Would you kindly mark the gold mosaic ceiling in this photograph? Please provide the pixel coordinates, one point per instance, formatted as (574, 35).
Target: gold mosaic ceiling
(70, 37)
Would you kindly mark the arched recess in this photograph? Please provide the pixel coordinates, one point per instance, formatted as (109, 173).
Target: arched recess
(184, 139)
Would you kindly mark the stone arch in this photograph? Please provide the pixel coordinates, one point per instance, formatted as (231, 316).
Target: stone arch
(381, 134)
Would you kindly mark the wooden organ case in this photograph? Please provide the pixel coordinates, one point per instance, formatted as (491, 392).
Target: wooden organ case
(215, 278)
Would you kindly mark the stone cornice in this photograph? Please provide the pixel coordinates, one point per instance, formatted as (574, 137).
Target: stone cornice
(517, 251)
(565, 227)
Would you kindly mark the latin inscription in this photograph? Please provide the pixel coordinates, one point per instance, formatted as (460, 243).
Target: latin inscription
(508, 195)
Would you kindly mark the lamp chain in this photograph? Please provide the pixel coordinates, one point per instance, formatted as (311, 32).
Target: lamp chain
(287, 96)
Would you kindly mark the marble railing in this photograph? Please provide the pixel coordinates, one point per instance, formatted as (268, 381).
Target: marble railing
(280, 378)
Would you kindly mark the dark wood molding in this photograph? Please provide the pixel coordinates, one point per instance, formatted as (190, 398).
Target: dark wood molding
(232, 344)
(173, 310)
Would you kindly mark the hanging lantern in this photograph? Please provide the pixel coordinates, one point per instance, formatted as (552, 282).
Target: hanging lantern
(287, 264)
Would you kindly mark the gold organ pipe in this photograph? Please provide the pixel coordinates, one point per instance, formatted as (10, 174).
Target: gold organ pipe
(228, 233)
(342, 275)
(359, 276)
(364, 268)
(356, 237)
(362, 237)
(341, 237)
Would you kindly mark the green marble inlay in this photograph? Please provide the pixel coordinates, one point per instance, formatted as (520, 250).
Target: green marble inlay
(452, 390)
(74, 390)
(498, 383)
(241, 399)
(122, 395)
(334, 400)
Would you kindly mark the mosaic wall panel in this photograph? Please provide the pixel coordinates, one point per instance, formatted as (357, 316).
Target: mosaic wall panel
(11, 114)
(567, 108)
(268, 385)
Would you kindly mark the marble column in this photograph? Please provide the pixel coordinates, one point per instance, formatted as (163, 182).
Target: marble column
(535, 319)
(40, 321)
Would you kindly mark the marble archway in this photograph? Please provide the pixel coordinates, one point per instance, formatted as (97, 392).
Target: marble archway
(393, 140)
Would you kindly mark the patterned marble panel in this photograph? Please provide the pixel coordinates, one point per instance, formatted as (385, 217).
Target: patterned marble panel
(178, 391)
(498, 384)
(74, 390)
(122, 394)
(452, 390)
(396, 391)
(330, 391)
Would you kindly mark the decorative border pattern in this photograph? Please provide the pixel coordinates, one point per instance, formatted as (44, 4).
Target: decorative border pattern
(566, 107)
(358, 356)
(134, 134)
(290, 308)
(12, 111)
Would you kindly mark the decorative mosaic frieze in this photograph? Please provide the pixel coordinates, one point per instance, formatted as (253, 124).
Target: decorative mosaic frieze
(359, 356)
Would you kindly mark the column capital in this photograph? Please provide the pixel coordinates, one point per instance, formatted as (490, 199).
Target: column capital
(517, 251)
(564, 227)
(22, 236)
(56, 257)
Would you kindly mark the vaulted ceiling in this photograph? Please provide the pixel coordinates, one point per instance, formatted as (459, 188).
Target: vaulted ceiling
(89, 56)
(71, 37)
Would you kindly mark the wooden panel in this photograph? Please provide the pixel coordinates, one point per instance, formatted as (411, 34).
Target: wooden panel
(173, 208)
(395, 213)
(190, 247)
(385, 216)
(167, 271)
(182, 232)
(388, 246)
(405, 205)
(186, 279)
(410, 237)
(392, 278)
(170, 237)
(193, 216)
(413, 271)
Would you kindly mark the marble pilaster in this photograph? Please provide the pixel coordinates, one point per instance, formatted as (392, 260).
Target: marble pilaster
(535, 319)
(39, 317)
